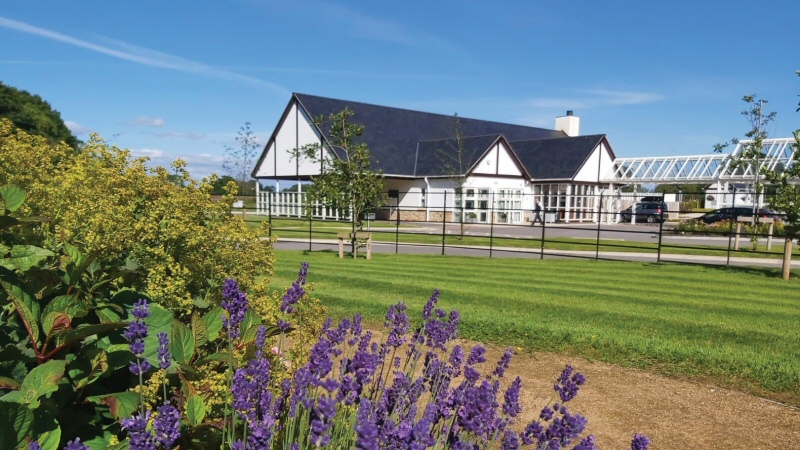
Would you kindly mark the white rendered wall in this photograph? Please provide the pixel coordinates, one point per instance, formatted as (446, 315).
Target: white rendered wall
(497, 161)
(588, 172)
(293, 132)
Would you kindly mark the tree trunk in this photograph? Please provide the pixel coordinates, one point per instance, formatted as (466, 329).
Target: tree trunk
(787, 259)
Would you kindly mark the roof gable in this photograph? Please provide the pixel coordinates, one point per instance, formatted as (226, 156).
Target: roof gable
(557, 159)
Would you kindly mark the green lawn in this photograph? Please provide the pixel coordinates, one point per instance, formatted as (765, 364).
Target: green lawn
(739, 327)
(386, 232)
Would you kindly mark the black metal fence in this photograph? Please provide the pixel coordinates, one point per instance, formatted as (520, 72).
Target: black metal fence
(620, 226)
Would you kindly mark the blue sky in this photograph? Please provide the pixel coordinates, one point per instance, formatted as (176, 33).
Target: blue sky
(172, 79)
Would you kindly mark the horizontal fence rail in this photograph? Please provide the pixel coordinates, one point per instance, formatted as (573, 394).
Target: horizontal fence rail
(619, 226)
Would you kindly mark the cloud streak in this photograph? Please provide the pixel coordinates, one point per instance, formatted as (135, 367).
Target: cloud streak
(144, 56)
(596, 98)
(145, 121)
(77, 128)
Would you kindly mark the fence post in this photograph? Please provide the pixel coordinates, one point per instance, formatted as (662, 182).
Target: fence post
(491, 224)
(544, 226)
(599, 220)
(310, 233)
(730, 227)
(660, 230)
(397, 224)
(444, 210)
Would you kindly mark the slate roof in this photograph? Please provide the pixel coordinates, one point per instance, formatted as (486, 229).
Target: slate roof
(392, 134)
(435, 157)
(556, 159)
(406, 143)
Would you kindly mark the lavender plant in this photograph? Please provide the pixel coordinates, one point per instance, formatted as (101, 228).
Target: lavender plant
(414, 387)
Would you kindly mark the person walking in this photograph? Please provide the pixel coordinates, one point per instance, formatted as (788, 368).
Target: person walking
(537, 210)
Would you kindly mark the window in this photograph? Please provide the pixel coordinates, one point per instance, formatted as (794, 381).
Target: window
(422, 198)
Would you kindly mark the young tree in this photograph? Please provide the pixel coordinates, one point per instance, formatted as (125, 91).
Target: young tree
(454, 161)
(238, 161)
(347, 182)
(751, 153)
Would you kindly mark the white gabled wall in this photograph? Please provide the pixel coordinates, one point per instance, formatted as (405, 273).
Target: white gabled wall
(588, 172)
(497, 161)
(293, 132)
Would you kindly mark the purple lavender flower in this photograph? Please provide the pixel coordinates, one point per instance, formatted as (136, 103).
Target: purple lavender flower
(78, 445)
(235, 305)
(426, 311)
(477, 414)
(167, 425)
(640, 442)
(283, 325)
(141, 310)
(398, 325)
(365, 428)
(140, 438)
(164, 356)
(322, 420)
(503, 364)
(140, 366)
(477, 355)
(586, 443)
(296, 291)
(568, 384)
(135, 334)
(511, 398)
(34, 446)
(510, 441)
(261, 338)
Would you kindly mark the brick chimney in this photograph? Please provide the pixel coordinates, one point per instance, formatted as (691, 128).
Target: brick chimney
(569, 124)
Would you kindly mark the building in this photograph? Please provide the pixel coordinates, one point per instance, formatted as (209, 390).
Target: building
(447, 167)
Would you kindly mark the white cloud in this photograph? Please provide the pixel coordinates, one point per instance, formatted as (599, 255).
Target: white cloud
(609, 97)
(152, 153)
(144, 121)
(144, 56)
(192, 136)
(77, 128)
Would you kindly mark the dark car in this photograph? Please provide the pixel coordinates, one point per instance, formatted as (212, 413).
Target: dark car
(650, 212)
(734, 213)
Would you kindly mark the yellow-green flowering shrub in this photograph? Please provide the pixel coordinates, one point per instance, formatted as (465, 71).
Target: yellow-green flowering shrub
(101, 199)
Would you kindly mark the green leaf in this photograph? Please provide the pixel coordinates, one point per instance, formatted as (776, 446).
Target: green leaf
(160, 321)
(8, 383)
(251, 319)
(67, 304)
(195, 410)
(46, 429)
(8, 222)
(55, 320)
(27, 307)
(87, 368)
(74, 254)
(23, 257)
(213, 321)
(199, 330)
(16, 422)
(107, 315)
(181, 343)
(42, 380)
(86, 330)
(214, 357)
(13, 196)
(121, 405)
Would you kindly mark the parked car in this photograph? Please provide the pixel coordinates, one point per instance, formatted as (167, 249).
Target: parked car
(650, 212)
(734, 213)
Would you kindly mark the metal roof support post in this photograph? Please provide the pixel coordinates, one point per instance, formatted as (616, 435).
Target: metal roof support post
(568, 202)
